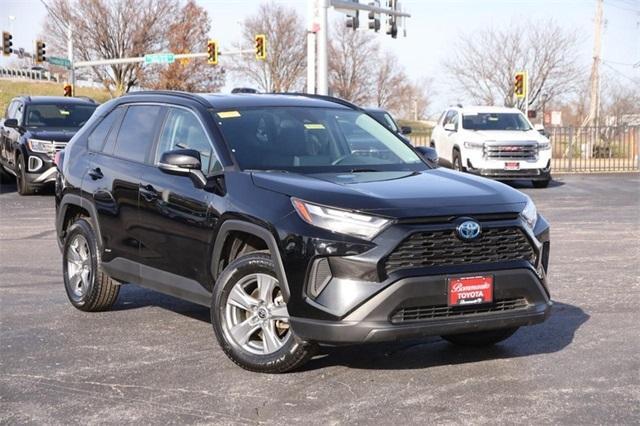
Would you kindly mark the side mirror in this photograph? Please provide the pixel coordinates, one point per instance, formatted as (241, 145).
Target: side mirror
(405, 130)
(430, 155)
(183, 162)
(11, 122)
(450, 127)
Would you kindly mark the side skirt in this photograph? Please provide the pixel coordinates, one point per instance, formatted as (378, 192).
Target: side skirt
(155, 279)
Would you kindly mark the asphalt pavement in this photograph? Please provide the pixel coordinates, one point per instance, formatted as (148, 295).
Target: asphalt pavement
(154, 359)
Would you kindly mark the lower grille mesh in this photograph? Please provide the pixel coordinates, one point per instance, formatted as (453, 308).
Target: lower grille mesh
(441, 248)
(421, 313)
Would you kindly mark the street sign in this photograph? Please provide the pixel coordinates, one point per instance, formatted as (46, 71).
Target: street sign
(62, 62)
(159, 58)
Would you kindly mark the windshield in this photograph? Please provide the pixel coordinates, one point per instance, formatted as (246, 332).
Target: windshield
(313, 140)
(58, 115)
(495, 121)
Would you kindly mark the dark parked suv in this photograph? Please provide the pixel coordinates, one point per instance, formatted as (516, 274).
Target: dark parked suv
(257, 206)
(33, 130)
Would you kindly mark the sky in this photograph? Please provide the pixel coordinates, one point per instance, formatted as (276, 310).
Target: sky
(432, 30)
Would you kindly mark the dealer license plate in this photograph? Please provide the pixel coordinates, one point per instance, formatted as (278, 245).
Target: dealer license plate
(470, 290)
(512, 165)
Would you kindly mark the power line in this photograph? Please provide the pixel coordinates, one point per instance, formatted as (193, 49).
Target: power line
(620, 73)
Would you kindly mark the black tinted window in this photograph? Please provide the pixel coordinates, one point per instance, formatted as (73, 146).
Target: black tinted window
(58, 115)
(99, 134)
(136, 132)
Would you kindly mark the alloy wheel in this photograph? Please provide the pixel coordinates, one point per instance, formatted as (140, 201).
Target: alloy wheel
(256, 316)
(79, 270)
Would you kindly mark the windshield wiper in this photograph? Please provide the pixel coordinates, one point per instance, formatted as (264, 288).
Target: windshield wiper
(363, 170)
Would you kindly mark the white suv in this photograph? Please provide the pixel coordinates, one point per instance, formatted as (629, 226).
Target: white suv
(494, 142)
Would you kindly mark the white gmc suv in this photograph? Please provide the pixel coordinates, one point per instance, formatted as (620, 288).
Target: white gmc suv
(495, 142)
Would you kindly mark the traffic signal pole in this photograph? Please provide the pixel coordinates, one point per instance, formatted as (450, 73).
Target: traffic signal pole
(318, 37)
(72, 70)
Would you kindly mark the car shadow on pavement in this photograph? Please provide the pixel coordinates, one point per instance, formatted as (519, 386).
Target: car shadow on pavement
(520, 184)
(551, 336)
(133, 297)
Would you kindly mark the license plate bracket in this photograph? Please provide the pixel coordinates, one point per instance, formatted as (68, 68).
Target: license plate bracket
(465, 291)
(512, 165)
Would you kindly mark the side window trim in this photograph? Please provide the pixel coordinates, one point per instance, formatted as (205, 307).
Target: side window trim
(156, 154)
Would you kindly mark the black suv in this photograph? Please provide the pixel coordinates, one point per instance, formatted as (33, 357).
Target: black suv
(257, 206)
(34, 129)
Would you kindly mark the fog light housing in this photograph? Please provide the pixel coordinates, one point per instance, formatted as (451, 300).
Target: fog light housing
(319, 277)
(34, 164)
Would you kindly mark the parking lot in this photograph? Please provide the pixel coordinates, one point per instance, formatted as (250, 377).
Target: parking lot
(154, 359)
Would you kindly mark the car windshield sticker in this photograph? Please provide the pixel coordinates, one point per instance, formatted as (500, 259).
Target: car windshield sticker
(228, 114)
(314, 126)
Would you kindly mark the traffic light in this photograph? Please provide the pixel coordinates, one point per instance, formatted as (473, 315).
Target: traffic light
(353, 21)
(374, 23)
(40, 52)
(212, 52)
(520, 85)
(392, 21)
(6, 43)
(261, 46)
(68, 90)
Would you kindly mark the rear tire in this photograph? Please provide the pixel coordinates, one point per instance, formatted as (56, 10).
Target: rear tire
(541, 183)
(88, 287)
(250, 319)
(22, 185)
(481, 338)
(457, 161)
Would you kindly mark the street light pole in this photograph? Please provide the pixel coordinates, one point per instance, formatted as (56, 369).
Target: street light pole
(72, 70)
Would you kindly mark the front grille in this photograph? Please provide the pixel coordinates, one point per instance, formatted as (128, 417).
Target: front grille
(523, 151)
(444, 248)
(59, 146)
(422, 313)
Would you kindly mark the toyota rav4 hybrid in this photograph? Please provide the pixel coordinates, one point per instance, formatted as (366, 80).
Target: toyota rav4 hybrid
(257, 206)
(494, 142)
(34, 129)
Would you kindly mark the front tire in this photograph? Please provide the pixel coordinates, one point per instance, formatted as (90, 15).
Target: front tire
(481, 338)
(457, 161)
(88, 287)
(250, 318)
(22, 185)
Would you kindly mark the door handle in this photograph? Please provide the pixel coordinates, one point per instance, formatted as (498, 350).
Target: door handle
(149, 193)
(96, 173)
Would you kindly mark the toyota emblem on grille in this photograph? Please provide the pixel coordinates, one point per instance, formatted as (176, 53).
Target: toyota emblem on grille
(469, 230)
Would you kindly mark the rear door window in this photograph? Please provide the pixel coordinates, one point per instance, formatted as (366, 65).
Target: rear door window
(137, 132)
(99, 134)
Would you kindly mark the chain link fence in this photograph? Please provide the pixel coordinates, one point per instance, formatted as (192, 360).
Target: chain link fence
(585, 149)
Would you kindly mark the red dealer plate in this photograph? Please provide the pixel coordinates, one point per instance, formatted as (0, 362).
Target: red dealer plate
(512, 165)
(470, 290)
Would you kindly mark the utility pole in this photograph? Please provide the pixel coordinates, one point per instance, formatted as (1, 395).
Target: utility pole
(72, 70)
(594, 96)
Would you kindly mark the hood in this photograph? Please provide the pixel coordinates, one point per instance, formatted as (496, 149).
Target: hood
(432, 192)
(57, 135)
(506, 136)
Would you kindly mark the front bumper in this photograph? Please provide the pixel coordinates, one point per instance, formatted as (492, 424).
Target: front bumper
(543, 173)
(376, 320)
(40, 169)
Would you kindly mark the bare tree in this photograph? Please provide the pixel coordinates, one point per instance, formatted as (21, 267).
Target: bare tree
(188, 34)
(390, 83)
(285, 65)
(484, 62)
(104, 29)
(352, 62)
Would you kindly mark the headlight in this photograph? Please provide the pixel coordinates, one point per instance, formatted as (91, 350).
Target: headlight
(543, 146)
(474, 145)
(37, 145)
(341, 221)
(530, 214)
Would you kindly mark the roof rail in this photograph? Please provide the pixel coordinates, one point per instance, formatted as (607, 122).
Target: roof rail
(180, 94)
(323, 97)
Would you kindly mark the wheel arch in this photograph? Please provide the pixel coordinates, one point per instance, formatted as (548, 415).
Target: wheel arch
(229, 230)
(70, 206)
